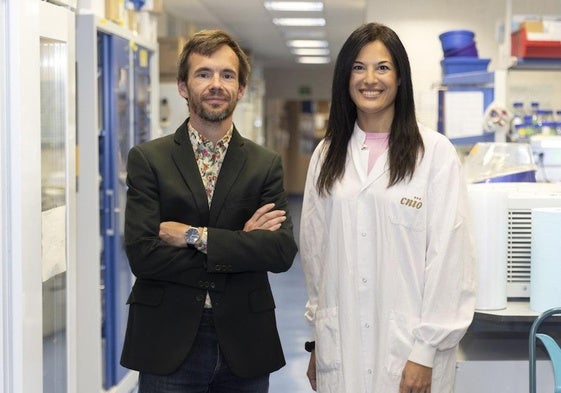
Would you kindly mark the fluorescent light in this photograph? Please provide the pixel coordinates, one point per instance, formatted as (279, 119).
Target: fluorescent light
(304, 34)
(313, 60)
(294, 5)
(307, 44)
(310, 51)
(299, 21)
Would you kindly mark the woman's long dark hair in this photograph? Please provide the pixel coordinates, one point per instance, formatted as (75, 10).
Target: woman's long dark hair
(405, 142)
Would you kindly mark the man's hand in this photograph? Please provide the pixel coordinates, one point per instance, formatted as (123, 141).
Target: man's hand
(173, 233)
(265, 218)
(311, 373)
(415, 378)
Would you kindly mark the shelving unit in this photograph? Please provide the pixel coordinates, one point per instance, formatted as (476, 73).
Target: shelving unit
(112, 80)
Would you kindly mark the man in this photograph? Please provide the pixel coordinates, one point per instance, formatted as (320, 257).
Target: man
(205, 221)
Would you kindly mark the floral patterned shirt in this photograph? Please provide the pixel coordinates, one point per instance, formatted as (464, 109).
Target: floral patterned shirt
(209, 157)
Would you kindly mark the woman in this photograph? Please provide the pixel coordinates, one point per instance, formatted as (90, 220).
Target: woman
(385, 240)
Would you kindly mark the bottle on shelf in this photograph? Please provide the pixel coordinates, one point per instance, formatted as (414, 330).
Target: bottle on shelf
(534, 107)
(544, 122)
(518, 114)
(525, 130)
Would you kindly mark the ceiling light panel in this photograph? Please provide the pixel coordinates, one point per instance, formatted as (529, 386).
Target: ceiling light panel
(310, 51)
(307, 43)
(299, 21)
(302, 6)
(292, 33)
(313, 60)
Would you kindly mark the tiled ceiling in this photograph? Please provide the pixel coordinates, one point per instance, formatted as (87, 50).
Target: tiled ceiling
(252, 24)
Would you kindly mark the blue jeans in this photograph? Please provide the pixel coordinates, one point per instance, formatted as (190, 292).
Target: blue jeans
(204, 370)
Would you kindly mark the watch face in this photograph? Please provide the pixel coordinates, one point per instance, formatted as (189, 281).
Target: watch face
(192, 235)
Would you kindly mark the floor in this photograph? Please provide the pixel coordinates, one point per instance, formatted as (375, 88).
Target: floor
(290, 298)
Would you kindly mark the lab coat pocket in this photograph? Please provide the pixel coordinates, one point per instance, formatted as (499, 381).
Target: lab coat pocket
(400, 342)
(407, 209)
(328, 348)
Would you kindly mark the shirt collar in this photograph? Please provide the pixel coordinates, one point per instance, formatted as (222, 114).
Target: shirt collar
(198, 140)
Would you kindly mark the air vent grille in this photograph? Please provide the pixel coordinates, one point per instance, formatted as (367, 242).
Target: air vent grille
(519, 246)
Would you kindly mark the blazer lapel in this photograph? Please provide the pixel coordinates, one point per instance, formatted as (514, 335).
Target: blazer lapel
(234, 161)
(184, 158)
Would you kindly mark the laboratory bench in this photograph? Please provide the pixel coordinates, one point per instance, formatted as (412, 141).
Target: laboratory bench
(493, 355)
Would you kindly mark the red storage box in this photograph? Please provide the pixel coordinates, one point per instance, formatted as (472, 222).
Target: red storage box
(522, 47)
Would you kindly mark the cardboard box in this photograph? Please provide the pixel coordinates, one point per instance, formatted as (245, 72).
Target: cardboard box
(532, 26)
(169, 51)
(115, 11)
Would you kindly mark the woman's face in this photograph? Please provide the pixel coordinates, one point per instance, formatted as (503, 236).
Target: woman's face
(373, 82)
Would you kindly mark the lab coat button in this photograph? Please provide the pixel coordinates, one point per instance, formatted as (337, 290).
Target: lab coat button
(363, 234)
(364, 280)
(367, 325)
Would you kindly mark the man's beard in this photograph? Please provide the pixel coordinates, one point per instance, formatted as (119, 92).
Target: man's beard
(213, 115)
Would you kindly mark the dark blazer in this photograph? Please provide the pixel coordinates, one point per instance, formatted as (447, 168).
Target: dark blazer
(168, 296)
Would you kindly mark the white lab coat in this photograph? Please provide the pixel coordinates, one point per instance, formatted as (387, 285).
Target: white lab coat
(390, 273)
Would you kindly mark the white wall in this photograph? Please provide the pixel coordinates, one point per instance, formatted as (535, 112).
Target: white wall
(285, 83)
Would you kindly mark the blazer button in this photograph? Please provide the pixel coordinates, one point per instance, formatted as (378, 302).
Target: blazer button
(199, 298)
(218, 268)
(212, 285)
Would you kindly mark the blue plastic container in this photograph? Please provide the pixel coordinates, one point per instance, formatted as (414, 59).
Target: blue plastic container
(465, 51)
(455, 65)
(455, 39)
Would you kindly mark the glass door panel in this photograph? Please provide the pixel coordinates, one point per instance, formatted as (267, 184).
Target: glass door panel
(54, 114)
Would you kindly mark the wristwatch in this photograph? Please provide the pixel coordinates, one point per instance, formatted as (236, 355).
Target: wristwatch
(192, 236)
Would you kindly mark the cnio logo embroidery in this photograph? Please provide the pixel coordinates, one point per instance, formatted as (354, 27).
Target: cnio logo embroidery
(415, 203)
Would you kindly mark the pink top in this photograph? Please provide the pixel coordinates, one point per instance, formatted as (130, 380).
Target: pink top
(377, 143)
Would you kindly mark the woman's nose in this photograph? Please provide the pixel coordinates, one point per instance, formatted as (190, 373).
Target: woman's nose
(370, 76)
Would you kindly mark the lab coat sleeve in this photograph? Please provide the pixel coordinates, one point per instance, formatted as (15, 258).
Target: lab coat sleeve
(312, 229)
(450, 266)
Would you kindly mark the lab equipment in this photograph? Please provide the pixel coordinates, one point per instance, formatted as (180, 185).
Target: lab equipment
(496, 162)
(504, 241)
(546, 150)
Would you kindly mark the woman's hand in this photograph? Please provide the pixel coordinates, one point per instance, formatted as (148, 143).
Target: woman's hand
(415, 378)
(311, 373)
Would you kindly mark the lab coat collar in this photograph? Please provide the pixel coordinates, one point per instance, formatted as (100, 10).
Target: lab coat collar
(359, 153)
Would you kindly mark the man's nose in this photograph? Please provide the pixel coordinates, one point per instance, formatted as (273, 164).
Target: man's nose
(216, 81)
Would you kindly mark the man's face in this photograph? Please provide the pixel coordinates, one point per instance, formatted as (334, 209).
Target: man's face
(212, 89)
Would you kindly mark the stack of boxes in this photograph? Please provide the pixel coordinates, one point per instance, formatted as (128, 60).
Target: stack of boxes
(460, 53)
(539, 39)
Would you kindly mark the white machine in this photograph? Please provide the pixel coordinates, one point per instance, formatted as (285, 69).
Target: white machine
(547, 156)
(502, 222)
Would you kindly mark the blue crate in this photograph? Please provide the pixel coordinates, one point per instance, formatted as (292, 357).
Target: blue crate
(457, 65)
